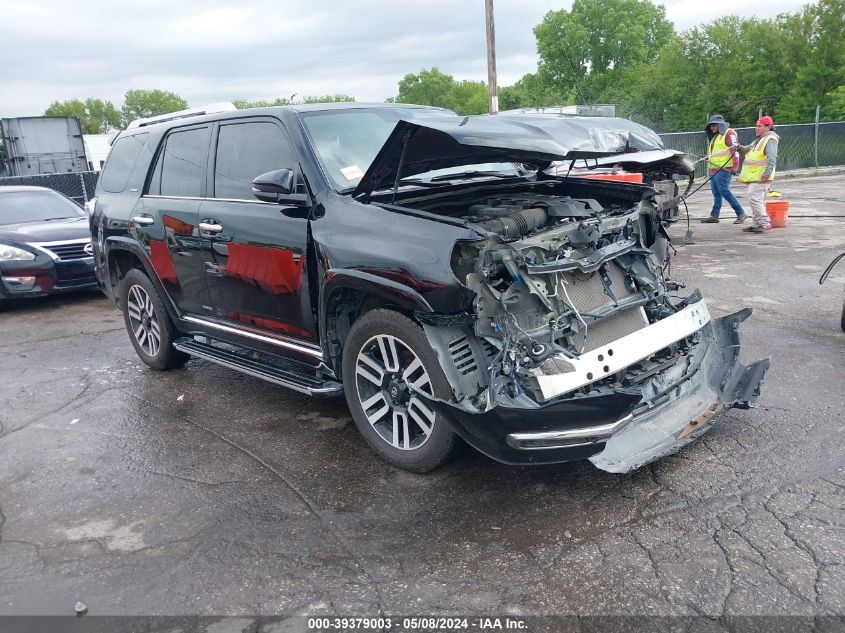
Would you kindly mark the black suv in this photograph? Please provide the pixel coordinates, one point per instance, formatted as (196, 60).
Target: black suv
(429, 267)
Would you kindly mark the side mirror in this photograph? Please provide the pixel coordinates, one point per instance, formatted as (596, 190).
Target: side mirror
(274, 185)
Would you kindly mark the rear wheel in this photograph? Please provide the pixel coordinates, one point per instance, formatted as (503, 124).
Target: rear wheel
(388, 369)
(149, 325)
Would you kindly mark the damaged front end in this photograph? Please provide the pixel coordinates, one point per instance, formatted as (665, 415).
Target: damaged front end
(577, 344)
(577, 347)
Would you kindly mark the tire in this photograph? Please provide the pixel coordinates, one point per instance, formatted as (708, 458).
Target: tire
(397, 423)
(150, 328)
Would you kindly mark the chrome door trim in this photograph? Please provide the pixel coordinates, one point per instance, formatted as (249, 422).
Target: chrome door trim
(292, 344)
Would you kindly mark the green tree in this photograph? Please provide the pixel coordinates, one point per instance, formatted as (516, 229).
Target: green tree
(435, 88)
(470, 97)
(720, 67)
(243, 104)
(813, 44)
(835, 109)
(584, 49)
(428, 87)
(139, 104)
(531, 91)
(96, 116)
(338, 98)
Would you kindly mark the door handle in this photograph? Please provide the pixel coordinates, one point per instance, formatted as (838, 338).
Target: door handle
(143, 220)
(210, 227)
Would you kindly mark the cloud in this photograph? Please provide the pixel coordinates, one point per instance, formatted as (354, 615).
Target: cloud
(210, 50)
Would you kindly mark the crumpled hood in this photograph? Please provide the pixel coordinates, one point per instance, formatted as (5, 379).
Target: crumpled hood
(535, 139)
(666, 159)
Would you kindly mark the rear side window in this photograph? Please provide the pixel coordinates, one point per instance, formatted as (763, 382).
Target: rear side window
(122, 157)
(247, 150)
(181, 166)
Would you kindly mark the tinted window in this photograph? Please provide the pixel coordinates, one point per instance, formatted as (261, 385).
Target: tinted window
(247, 150)
(183, 163)
(36, 206)
(120, 162)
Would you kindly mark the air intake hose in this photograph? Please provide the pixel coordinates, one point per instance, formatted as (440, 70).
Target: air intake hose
(516, 224)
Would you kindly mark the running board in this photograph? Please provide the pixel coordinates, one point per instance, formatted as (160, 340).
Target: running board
(284, 372)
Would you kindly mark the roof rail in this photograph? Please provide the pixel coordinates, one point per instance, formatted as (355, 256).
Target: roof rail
(211, 108)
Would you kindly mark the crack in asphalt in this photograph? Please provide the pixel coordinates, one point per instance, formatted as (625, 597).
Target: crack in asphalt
(658, 578)
(301, 495)
(733, 572)
(772, 573)
(28, 344)
(804, 547)
(191, 480)
(75, 400)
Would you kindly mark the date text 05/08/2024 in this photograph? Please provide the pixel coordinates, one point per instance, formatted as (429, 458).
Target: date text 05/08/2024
(432, 623)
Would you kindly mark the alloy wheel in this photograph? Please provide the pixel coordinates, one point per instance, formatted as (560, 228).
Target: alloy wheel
(389, 378)
(143, 320)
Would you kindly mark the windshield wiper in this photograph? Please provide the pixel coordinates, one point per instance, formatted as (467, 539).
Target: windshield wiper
(472, 174)
(67, 217)
(422, 182)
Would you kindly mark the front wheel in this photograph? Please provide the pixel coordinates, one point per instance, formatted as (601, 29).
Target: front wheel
(388, 369)
(149, 326)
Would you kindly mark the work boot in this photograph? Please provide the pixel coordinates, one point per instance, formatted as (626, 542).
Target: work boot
(761, 229)
(740, 219)
(710, 219)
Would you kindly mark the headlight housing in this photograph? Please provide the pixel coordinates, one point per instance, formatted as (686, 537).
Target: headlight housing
(12, 253)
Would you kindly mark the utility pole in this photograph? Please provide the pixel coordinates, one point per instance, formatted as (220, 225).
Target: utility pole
(491, 58)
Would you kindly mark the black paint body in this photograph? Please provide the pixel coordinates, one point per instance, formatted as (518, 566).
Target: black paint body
(325, 245)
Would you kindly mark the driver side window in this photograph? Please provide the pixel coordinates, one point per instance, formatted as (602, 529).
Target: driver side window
(246, 150)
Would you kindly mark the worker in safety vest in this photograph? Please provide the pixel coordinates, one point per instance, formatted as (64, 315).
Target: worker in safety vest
(722, 162)
(758, 171)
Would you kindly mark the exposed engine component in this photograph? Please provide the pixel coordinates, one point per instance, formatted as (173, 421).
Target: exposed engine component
(561, 278)
(516, 224)
(555, 206)
(513, 217)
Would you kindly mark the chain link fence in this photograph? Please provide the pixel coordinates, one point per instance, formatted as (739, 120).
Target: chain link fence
(78, 186)
(801, 146)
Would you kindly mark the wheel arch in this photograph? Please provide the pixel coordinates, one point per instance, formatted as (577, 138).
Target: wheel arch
(347, 295)
(123, 255)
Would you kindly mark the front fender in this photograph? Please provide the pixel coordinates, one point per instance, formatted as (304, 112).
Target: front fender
(388, 289)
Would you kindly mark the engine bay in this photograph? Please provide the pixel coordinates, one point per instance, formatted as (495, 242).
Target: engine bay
(554, 278)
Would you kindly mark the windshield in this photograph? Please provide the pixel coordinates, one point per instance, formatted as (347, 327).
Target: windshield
(36, 206)
(347, 141)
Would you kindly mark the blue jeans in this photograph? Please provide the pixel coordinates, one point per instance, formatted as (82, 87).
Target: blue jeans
(720, 185)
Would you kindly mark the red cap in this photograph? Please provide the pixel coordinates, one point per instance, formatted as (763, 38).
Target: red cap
(766, 120)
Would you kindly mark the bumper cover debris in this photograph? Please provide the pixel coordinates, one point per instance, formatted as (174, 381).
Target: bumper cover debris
(622, 431)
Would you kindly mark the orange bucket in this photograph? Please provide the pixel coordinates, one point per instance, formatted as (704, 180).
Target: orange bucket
(778, 211)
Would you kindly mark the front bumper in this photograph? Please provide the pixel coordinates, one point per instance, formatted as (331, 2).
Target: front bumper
(627, 429)
(44, 276)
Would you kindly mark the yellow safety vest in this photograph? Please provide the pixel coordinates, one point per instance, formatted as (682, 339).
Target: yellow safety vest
(720, 154)
(755, 161)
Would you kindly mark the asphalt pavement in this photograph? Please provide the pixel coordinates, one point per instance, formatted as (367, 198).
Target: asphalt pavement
(203, 491)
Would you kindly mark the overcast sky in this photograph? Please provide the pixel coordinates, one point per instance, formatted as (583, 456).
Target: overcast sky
(205, 50)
